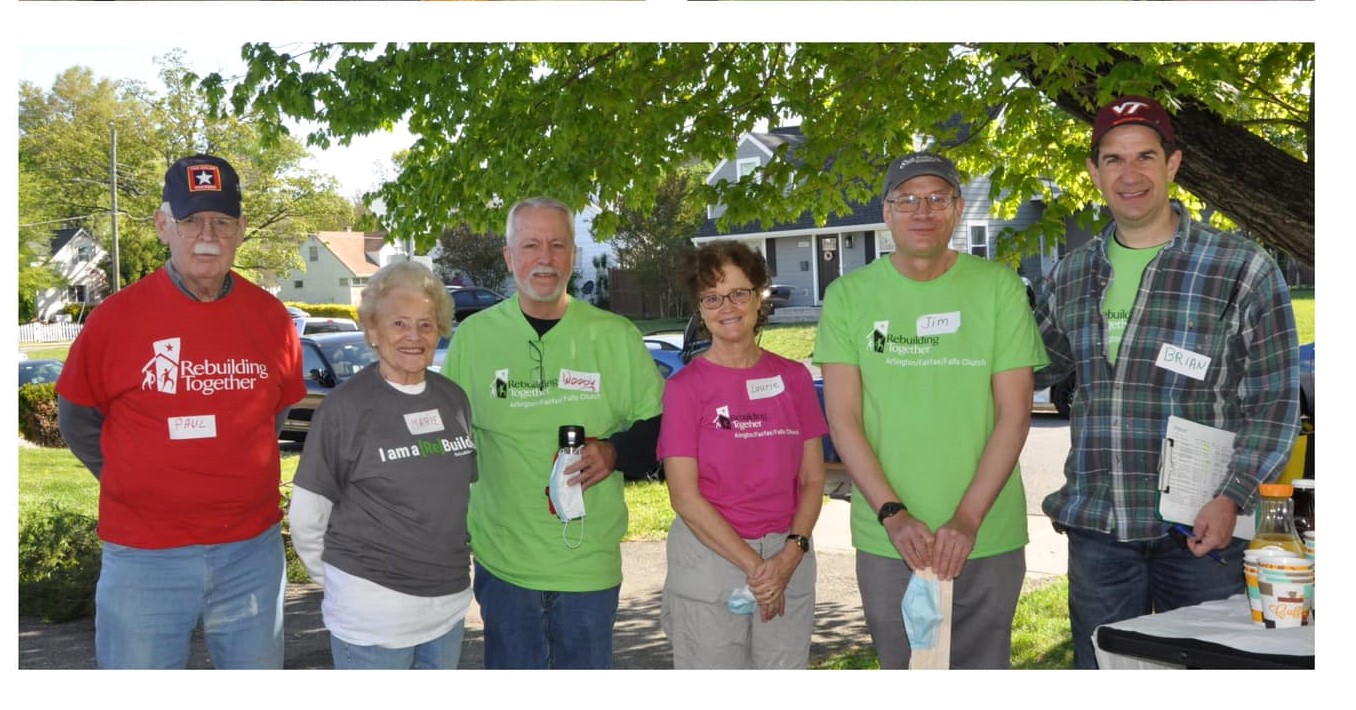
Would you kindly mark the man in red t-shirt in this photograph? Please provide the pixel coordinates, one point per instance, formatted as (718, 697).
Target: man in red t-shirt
(173, 396)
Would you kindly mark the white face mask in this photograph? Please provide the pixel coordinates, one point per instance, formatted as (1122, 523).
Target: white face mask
(566, 498)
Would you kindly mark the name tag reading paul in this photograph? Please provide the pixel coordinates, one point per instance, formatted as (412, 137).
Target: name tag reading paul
(203, 426)
(424, 422)
(1183, 361)
(939, 323)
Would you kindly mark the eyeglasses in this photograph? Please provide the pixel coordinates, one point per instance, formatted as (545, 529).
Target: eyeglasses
(739, 297)
(538, 368)
(193, 225)
(908, 204)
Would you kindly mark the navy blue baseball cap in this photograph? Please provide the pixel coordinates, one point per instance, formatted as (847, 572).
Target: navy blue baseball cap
(916, 164)
(202, 183)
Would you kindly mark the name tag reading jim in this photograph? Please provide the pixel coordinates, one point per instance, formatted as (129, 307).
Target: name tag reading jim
(203, 426)
(425, 422)
(1183, 361)
(939, 323)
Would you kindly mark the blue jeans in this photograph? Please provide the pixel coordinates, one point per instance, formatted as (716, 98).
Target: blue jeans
(530, 629)
(148, 602)
(442, 653)
(1110, 581)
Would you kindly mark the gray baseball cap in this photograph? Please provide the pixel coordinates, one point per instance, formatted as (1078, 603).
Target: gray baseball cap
(917, 164)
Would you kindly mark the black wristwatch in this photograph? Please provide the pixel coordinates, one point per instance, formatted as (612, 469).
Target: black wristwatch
(889, 509)
(800, 540)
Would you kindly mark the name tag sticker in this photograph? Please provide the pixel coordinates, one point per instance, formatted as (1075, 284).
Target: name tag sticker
(1182, 361)
(200, 427)
(425, 422)
(939, 323)
(580, 381)
(765, 387)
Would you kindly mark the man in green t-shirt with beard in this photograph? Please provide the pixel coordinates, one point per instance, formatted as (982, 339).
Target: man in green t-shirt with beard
(548, 589)
(927, 358)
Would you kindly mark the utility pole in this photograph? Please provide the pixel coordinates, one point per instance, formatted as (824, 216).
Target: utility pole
(113, 201)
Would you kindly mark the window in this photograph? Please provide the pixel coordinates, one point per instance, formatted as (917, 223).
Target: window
(77, 294)
(84, 253)
(314, 253)
(296, 284)
(359, 280)
(343, 282)
(979, 240)
(745, 166)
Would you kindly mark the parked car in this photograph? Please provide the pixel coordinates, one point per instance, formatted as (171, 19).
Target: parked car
(440, 352)
(296, 312)
(667, 357)
(310, 325)
(37, 372)
(470, 300)
(776, 296)
(327, 361)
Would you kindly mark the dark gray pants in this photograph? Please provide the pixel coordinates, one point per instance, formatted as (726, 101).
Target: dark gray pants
(983, 602)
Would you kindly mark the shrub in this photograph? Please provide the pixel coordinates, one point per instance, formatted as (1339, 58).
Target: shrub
(59, 563)
(38, 415)
(328, 310)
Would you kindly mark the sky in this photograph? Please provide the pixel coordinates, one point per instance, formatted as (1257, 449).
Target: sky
(357, 166)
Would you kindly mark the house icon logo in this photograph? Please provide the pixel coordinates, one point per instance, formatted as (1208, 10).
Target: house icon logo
(161, 372)
(878, 335)
(722, 420)
(500, 388)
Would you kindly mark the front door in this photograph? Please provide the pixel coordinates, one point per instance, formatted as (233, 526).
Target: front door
(830, 262)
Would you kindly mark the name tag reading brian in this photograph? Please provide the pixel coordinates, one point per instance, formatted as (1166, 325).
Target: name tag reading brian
(200, 427)
(765, 387)
(424, 422)
(939, 323)
(1183, 361)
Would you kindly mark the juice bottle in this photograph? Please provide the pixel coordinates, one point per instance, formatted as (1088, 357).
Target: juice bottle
(1275, 520)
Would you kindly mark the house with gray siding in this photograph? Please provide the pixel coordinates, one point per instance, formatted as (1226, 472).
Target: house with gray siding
(808, 257)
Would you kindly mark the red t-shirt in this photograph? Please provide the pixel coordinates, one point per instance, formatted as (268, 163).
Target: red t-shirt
(190, 392)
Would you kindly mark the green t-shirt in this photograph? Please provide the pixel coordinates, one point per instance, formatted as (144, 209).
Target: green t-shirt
(1127, 269)
(927, 352)
(590, 369)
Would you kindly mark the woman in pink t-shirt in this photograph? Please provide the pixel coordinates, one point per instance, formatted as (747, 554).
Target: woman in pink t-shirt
(740, 441)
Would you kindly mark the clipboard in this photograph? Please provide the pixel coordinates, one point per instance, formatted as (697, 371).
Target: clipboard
(1193, 464)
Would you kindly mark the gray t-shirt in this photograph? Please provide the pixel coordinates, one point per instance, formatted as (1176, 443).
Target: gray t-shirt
(398, 468)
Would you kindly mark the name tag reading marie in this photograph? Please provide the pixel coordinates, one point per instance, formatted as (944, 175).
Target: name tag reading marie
(1183, 361)
(424, 422)
(939, 323)
(765, 387)
(203, 426)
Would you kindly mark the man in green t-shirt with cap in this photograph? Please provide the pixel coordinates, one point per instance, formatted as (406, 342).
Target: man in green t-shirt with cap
(927, 358)
(547, 588)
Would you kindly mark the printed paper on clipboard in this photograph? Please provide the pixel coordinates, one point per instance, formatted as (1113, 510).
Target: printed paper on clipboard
(1194, 463)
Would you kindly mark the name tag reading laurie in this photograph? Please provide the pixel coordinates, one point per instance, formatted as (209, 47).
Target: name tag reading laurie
(939, 323)
(203, 426)
(1183, 361)
(424, 422)
(765, 387)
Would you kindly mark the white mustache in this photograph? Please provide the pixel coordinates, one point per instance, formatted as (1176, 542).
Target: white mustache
(207, 249)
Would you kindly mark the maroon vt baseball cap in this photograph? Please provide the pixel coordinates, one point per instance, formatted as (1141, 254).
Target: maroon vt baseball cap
(1132, 109)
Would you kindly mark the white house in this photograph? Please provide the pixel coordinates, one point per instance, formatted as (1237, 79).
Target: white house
(338, 265)
(75, 256)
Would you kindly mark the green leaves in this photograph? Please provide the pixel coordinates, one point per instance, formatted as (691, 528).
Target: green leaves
(599, 123)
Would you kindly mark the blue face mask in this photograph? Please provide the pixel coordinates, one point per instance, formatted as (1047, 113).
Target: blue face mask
(742, 602)
(922, 612)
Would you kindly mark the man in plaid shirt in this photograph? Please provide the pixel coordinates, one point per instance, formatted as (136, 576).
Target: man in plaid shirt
(1159, 315)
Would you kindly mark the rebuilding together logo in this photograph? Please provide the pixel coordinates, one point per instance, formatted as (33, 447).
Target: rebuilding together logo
(168, 371)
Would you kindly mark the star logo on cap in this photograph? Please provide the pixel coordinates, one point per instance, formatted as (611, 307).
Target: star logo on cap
(204, 178)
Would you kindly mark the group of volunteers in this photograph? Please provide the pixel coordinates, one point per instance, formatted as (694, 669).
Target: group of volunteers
(417, 492)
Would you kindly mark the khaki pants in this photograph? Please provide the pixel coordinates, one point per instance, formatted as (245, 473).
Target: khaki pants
(703, 632)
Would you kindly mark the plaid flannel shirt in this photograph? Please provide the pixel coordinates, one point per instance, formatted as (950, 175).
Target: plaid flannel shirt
(1213, 294)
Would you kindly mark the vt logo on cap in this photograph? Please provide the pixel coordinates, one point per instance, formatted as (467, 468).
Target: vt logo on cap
(204, 178)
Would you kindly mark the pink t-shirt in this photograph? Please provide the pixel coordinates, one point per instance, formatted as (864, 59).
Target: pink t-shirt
(747, 430)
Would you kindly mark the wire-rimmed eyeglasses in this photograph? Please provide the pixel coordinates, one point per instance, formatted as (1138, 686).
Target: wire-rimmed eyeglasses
(193, 225)
(739, 297)
(538, 368)
(908, 204)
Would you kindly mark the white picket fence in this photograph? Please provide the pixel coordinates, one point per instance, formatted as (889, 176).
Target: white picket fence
(48, 332)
